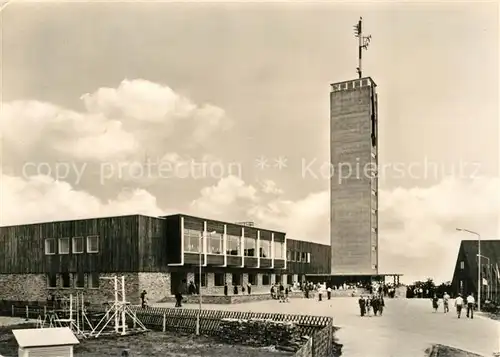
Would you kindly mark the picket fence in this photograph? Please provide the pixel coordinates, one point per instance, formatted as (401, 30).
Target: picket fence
(319, 329)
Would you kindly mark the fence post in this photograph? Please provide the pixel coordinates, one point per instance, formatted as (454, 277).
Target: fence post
(27, 313)
(44, 311)
(12, 310)
(135, 318)
(164, 322)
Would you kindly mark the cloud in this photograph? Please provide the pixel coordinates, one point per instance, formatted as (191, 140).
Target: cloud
(136, 118)
(41, 199)
(269, 186)
(416, 226)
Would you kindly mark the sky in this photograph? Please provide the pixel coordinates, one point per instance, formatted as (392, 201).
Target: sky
(215, 109)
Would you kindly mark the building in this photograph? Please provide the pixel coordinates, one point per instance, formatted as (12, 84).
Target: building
(465, 275)
(354, 185)
(153, 253)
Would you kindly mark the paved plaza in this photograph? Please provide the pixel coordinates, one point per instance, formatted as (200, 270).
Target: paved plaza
(407, 328)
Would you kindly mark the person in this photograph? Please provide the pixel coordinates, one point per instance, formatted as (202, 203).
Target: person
(249, 288)
(329, 293)
(362, 305)
(181, 290)
(143, 299)
(368, 305)
(375, 305)
(287, 290)
(435, 303)
(471, 302)
(446, 301)
(381, 304)
(226, 289)
(459, 303)
(235, 289)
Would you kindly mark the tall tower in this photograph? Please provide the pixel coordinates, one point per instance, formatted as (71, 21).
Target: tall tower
(354, 185)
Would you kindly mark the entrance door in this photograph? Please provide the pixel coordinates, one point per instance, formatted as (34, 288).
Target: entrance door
(176, 280)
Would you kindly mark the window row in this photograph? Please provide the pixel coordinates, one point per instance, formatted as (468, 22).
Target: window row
(75, 245)
(296, 256)
(215, 245)
(73, 280)
(237, 279)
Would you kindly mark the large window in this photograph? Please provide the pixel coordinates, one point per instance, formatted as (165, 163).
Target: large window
(250, 247)
(79, 280)
(78, 245)
(303, 257)
(215, 243)
(289, 255)
(51, 280)
(252, 278)
(236, 279)
(278, 250)
(66, 281)
(192, 240)
(63, 245)
(50, 246)
(233, 245)
(265, 249)
(219, 279)
(203, 279)
(93, 280)
(266, 279)
(93, 244)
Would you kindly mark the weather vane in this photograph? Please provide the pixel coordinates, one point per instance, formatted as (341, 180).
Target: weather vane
(364, 41)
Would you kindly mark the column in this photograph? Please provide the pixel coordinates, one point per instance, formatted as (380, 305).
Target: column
(204, 239)
(224, 245)
(258, 249)
(242, 244)
(272, 251)
(284, 251)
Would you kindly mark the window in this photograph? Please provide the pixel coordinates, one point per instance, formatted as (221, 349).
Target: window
(192, 240)
(51, 280)
(78, 245)
(79, 280)
(303, 257)
(219, 279)
(50, 246)
(462, 265)
(93, 244)
(250, 247)
(66, 281)
(266, 279)
(93, 280)
(279, 279)
(203, 279)
(236, 279)
(278, 250)
(252, 278)
(63, 245)
(215, 243)
(296, 256)
(233, 245)
(289, 255)
(265, 249)
(308, 257)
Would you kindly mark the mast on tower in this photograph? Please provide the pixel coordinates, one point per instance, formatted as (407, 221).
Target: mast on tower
(363, 42)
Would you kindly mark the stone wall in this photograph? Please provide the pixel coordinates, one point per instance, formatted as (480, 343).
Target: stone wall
(157, 285)
(23, 287)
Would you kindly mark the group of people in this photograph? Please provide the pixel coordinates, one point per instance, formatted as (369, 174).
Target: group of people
(469, 303)
(280, 292)
(367, 303)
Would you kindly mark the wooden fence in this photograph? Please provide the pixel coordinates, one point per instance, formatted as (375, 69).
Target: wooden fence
(318, 328)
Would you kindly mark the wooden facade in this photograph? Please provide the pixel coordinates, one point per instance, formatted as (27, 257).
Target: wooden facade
(314, 258)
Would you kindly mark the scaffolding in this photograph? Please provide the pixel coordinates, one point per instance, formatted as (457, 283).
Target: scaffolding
(72, 313)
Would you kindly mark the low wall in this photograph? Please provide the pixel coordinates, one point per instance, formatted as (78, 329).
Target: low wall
(229, 299)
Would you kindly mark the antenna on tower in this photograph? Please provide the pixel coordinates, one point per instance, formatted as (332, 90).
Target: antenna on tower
(364, 41)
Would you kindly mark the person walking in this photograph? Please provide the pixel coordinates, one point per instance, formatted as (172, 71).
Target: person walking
(435, 303)
(381, 304)
(362, 305)
(459, 303)
(471, 302)
(329, 293)
(446, 302)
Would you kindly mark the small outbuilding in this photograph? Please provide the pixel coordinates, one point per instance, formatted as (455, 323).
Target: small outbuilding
(46, 342)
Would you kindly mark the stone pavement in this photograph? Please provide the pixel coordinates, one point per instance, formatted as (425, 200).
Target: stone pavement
(407, 328)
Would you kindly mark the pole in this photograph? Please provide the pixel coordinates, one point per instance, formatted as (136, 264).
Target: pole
(77, 311)
(360, 47)
(198, 316)
(479, 282)
(124, 302)
(116, 305)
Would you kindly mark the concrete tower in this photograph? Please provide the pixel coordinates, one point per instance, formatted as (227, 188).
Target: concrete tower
(354, 186)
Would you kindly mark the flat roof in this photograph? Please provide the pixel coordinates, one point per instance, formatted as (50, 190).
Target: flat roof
(386, 274)
(45, 337)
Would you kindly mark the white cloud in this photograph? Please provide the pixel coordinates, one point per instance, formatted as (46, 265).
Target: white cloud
(269, 186)
(135, 118)
(42, 199)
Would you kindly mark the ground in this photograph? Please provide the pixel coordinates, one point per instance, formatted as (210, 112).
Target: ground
(150, 344)
(407, 328)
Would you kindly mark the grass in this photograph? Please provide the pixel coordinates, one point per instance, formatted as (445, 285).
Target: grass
(147, 344)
